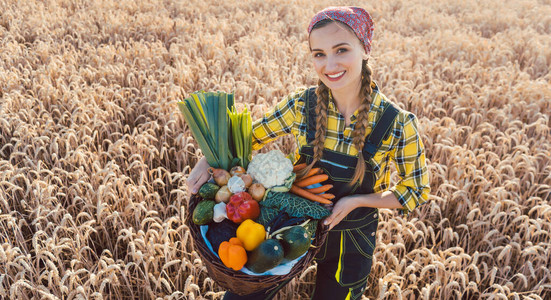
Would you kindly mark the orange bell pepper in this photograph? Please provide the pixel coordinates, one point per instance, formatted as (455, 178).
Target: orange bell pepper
(232, 254)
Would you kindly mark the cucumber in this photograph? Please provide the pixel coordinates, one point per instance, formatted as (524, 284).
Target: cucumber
(208, 191)
(204, 212)
(266, 256)
(295, 241)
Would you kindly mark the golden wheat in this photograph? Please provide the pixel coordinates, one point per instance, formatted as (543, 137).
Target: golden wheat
(94, 153)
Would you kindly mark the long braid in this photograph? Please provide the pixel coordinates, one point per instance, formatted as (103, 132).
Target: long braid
(362, 122)
(322, 93)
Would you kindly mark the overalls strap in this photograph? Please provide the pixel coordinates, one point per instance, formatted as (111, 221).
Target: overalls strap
(379, 132)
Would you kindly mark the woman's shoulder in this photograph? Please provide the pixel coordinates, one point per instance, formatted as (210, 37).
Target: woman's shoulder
(403, 116)
(301, 94)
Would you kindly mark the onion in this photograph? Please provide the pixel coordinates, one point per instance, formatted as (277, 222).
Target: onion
(257, 191)
(248, 179)
(223, 195)
(221, 176)
(237, 170)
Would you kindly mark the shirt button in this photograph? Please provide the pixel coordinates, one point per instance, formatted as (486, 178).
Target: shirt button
(373, 233)
(375, 216)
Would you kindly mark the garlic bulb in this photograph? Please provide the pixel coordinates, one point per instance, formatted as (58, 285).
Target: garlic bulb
(236, 184)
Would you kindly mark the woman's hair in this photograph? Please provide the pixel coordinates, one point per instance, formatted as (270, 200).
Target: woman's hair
(322, 92)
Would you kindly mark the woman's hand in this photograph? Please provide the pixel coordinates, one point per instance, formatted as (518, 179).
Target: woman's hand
(345, 205)
(198, 175)
(341, 209)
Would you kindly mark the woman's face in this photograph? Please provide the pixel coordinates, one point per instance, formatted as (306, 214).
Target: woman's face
(337, 55)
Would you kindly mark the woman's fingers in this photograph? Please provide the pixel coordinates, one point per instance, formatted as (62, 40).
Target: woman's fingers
(202, 179)
(334, 219)
(196, 180)
(198, 175)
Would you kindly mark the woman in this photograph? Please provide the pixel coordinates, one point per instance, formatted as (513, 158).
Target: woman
(346, 126)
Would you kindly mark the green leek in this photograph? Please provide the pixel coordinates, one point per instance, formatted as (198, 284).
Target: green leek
(224, 136)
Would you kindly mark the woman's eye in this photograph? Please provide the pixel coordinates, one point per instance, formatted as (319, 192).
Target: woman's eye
(341, 50)
(318, 54)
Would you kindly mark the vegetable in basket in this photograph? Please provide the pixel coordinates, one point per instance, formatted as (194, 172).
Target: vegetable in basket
(223, 134)
(206, 114)
(266, 256)
(204, 212)
(232, 254)
(251, 234)
(241, 207)
(220, 232)
(208, 191)
(270, 169)
(236, 184)
(220, 213)
(220, 176)
(295, 241)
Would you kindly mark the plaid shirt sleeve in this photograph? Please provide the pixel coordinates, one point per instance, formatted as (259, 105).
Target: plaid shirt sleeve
(409, 156)
(276, 122)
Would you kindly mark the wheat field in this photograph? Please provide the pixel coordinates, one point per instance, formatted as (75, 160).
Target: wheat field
(94, 152)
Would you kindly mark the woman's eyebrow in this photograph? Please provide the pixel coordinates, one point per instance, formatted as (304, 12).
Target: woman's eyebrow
(337, 45)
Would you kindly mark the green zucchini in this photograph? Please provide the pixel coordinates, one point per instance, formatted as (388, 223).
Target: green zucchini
(295, 241)
(204, 212)
(208, 191)
(266, 256)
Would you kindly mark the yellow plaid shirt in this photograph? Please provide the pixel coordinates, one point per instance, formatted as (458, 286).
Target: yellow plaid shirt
(403, 145)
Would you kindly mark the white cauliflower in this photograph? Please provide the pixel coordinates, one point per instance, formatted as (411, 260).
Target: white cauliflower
(270, 169)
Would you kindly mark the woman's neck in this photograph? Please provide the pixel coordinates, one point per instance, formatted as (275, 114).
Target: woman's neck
(347, 102)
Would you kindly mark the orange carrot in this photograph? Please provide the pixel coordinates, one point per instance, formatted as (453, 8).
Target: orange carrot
(307, 195)
(312, 180)
(327, 196)
(320, 189)
(312, 172)
(299, 167)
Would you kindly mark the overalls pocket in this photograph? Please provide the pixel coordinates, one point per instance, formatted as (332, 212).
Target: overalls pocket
(357, 256)
(363, 242)
(337, 172)
(358, 244)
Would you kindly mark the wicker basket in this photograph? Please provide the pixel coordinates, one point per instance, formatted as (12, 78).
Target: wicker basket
(239, 282)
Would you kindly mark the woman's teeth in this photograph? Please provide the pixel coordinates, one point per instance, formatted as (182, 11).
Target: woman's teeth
(335, 75)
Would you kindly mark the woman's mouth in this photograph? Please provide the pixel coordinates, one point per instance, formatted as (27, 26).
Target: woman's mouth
(335, 76)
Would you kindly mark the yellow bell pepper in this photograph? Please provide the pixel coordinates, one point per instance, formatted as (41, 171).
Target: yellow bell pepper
(251, 234)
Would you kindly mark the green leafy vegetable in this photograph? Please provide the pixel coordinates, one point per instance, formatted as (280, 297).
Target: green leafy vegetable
(241, 126)
(224, 136)
(208, 120)
(294, 205)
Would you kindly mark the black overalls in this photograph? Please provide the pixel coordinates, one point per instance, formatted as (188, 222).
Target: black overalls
(344, 260)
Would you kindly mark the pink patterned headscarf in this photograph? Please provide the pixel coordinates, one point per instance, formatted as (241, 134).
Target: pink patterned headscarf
(356, 18)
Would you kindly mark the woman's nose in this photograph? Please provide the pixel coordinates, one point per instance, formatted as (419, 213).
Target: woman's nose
(331, 64)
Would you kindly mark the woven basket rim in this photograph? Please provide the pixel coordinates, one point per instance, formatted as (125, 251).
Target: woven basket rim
(237, 281)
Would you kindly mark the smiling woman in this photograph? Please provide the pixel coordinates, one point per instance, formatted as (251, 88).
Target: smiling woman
(348, 128)
(337, 58)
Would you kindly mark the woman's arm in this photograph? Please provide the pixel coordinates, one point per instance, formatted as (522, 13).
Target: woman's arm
(408, 156)
(347, 204)
(409, 192)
